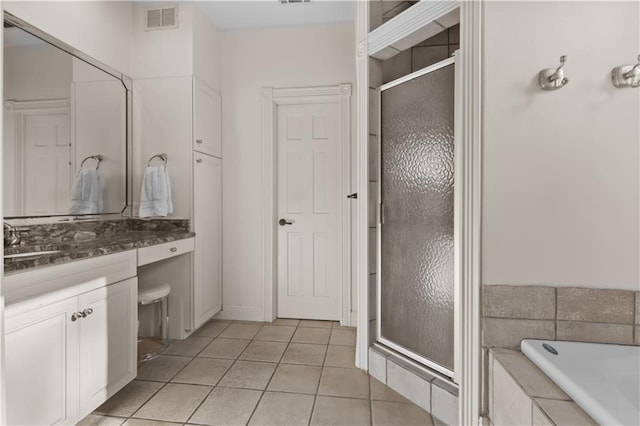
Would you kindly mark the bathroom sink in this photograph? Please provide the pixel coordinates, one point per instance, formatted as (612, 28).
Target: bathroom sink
(31, 254)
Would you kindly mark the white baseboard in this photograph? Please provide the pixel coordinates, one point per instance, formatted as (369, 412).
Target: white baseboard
(241, 313)
(353, 320)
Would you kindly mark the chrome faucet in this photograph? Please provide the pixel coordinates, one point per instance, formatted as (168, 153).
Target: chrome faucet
(11, 238)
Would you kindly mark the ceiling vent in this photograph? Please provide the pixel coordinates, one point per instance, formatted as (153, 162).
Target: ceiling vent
(294, 1)
(161, 18)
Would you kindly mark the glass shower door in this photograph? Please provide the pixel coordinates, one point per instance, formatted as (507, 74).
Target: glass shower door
(415, 230)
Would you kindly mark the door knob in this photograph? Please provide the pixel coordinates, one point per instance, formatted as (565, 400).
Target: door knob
(284, 222)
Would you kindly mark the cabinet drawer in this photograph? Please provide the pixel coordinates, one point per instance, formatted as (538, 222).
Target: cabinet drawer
(158, 252)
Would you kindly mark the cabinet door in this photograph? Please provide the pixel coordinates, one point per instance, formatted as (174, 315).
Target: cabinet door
(207, 223)
(207, 120)
(41, 365)
(108, 336)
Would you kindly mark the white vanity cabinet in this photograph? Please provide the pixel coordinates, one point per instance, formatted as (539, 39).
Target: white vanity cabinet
(41, 365)
(107, 341)
(68, 350)
(181, 116)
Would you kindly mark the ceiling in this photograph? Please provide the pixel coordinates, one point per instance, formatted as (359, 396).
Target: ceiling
(245, 14)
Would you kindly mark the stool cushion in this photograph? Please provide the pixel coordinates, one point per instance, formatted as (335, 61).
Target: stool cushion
(156, 292)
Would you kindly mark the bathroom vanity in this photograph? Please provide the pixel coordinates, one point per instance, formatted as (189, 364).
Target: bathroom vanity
(71, 278)
(71, 320)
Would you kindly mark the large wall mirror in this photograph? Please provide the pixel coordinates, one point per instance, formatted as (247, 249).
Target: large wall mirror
(66, 128)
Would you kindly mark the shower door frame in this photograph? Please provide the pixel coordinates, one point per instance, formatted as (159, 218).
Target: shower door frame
(456, 214)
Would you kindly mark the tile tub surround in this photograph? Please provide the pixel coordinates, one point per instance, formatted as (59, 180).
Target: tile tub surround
(429, 391)
(512, 313)
(230, 373)
(519, 393)
(103, 237)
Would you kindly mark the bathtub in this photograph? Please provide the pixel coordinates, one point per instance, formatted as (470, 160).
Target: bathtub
(602, 379)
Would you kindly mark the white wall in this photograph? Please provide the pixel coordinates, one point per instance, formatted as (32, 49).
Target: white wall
(162, 53)
(101, 29)
(206, 50)
(164, 62)
(283, 57)
(560, 169)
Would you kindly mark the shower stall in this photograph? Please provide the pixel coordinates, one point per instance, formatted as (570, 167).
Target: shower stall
(415, 226)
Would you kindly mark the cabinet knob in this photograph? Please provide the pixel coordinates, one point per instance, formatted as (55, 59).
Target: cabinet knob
(88, 311)
(75, 316)
(199, 160)
(173, 249)
(198, 140)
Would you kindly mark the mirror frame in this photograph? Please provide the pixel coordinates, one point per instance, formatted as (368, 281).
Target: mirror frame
(127, 83)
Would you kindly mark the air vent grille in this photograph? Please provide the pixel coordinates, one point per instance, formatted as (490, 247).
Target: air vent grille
(294, 1)
(161, 18)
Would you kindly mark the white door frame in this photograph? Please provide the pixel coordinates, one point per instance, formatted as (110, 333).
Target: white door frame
(271, 98)
(468, 135)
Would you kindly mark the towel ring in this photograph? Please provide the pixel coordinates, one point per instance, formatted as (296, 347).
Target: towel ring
(164, 157)
(97, 157)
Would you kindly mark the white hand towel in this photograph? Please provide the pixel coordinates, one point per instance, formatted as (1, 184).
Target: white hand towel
(155, 197)
(87, 193)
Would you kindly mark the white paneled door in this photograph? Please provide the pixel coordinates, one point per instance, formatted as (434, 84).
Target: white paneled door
(47, 154)
(309, 221)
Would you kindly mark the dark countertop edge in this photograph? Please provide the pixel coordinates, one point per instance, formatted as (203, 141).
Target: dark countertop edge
(12, 266)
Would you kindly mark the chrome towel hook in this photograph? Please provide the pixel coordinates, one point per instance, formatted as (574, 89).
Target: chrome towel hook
(553, 79)
(626, 75)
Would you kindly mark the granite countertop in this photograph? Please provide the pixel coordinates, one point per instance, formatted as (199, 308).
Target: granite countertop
(99, 244)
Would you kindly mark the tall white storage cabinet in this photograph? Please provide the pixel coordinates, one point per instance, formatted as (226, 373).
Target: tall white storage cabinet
(181, 116)
(207, 202)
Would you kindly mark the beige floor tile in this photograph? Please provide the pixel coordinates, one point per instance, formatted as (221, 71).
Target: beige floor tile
(331, 411)
(129, 399)
(276, 333)
(286, 321)
(95, 420)
(224, 348)
(248, 375)
(212, 329)
(348, 382)
(382, 392)
(341, 356)
(227, 406)
(304, 353)
(203, 371)
(174, 403)
(264, 351)
(340, 327)
(145, 422)
(190, 346)
(162, 368)
(283, 409)
(241, 330)
(312, 335)
(399, 414)
(296, 379)
(346, 337)
(316, 324)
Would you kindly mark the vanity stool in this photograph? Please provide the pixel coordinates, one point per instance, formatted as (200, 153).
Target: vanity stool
(149, 348)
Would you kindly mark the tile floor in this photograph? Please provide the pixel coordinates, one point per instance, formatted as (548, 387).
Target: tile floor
(289, 372)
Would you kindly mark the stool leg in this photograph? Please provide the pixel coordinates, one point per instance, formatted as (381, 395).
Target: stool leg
(165, 319)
